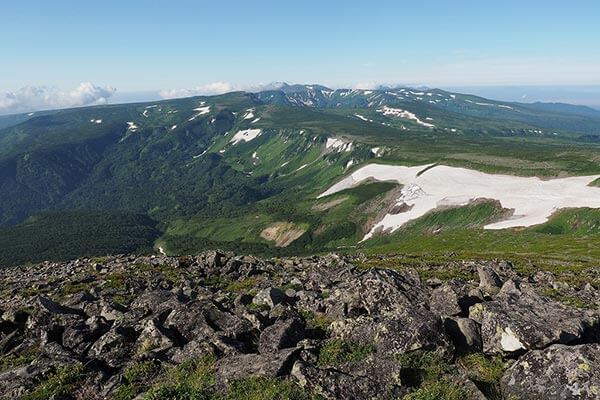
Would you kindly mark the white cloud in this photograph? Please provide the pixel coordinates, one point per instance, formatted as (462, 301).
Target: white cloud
(34, 98)
(218, 88)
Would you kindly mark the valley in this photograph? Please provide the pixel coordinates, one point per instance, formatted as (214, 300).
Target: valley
(244, 171)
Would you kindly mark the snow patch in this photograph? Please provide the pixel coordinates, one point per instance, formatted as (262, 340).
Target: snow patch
(131, 126)
(427, 188)
(338, 144)
(363, 118)
(245, 135)
(200, 155)
(200, 111)
(96, 121)
(398, 113)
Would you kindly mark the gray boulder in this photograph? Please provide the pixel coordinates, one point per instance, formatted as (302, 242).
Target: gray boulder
(519, 320)
(489, 281)
(465, 334)
(556, 373)
(270, 297)
(240, 366)
(282, 334)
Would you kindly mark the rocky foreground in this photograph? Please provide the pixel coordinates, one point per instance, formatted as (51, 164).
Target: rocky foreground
(234, 327)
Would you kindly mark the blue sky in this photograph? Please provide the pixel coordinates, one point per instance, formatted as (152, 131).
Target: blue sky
(157, 45)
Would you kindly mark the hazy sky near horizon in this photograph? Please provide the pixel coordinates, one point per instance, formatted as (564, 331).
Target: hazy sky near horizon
(230, 44)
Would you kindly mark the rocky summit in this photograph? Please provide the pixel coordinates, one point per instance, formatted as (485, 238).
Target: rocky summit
(223, 326)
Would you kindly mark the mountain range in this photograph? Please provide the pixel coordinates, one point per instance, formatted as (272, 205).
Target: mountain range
(244, 171)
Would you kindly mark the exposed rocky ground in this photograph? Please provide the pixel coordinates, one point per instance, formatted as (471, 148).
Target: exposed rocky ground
(237, 327)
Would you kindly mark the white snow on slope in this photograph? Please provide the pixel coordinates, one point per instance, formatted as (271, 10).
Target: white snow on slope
(249, 114)
(131, 126)
(174, 127)
(96, 121)
(338, 144)
(200, 111)
(396, 112)
(200, 155)
(245, 135)
(532, 199)
(363, 118)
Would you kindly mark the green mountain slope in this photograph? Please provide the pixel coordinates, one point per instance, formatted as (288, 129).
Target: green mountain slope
(242, 171)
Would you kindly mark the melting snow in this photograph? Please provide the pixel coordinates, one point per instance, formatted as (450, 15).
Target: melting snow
(532, 199)
(245, 135)
(396, 112)
(363, 118)
(255, 120)
(338, 144)
(200, 111)
(377, 151)
(201, 154)
(174, 127)
(96, 121)
(132, 126)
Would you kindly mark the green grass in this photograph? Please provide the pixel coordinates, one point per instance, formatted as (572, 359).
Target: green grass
(336, 352)
(195, 380)
(485, 372)
(62, 383)
(431, 374)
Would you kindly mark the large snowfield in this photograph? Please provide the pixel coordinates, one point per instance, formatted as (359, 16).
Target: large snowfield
(427, 187)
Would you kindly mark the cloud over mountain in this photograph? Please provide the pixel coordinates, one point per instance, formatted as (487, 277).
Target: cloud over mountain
(220, 87)
(33, 98)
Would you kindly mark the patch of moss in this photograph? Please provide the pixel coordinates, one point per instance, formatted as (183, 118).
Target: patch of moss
(243, 286)
(485, 372)
(570, 301)
(11, 361)
(440, 389)
(137, 379)
(337, 352)
(58, 385)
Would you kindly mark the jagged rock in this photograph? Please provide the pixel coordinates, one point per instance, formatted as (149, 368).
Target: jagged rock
(154, 337)
(193, 350)
(116, 323)
(465, 334)
(114, 347)
(269, 297)
(519, 320)
(255, 365)
(54, 308)
(333, 384)
(489, 280)
(415, 329)
(282, 334)
(444, 301)
(556, 373)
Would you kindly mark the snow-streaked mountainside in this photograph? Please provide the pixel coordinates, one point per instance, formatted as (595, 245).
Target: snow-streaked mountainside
(243, 170)
(428, 187)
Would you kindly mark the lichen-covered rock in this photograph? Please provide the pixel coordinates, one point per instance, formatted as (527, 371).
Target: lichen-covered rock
(270, 365)
(519, 320)
(557, 373)
(465, 334)
(347, 331)
(282, 334)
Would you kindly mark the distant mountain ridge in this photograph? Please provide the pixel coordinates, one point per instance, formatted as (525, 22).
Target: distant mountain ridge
(243, 170)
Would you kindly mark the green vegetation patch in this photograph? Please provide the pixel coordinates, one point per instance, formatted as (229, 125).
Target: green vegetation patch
(337, 351)
(62, 383)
